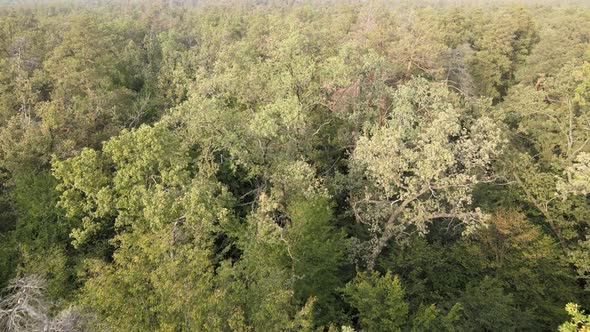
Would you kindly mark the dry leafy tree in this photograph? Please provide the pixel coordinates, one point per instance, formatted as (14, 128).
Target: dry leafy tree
(24, 309)
(421, 165)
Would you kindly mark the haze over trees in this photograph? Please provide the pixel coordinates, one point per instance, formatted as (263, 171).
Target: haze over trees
(295, 166)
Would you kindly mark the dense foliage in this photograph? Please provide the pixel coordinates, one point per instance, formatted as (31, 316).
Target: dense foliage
(294, 167)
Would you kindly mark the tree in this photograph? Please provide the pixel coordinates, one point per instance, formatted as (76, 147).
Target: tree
(260, 285)
(160, 217)
(421, 165)
(528, 262)
(550, 162)
(501, 44)
(379, 300)
(487, 306)
(25, 309)
(317, 253)
(563, 39)
(579, 320)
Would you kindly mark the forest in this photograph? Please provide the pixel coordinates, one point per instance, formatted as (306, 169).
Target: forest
(294, 166)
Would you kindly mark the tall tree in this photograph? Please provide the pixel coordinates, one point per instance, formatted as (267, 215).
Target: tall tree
(421, 165)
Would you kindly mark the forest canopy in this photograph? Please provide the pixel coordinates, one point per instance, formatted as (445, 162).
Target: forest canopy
(295, 166)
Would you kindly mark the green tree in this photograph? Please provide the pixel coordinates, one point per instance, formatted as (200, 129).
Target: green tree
(579, 320)
(549, 162)
(501, 44)
(486, 306)
(317, 252)
(379, 300)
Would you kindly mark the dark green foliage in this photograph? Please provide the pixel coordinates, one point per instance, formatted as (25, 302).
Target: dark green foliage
(488, 307)
(318, 252)
(379, 300)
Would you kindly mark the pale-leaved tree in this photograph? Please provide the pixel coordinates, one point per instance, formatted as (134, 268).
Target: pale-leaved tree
(422, 164)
